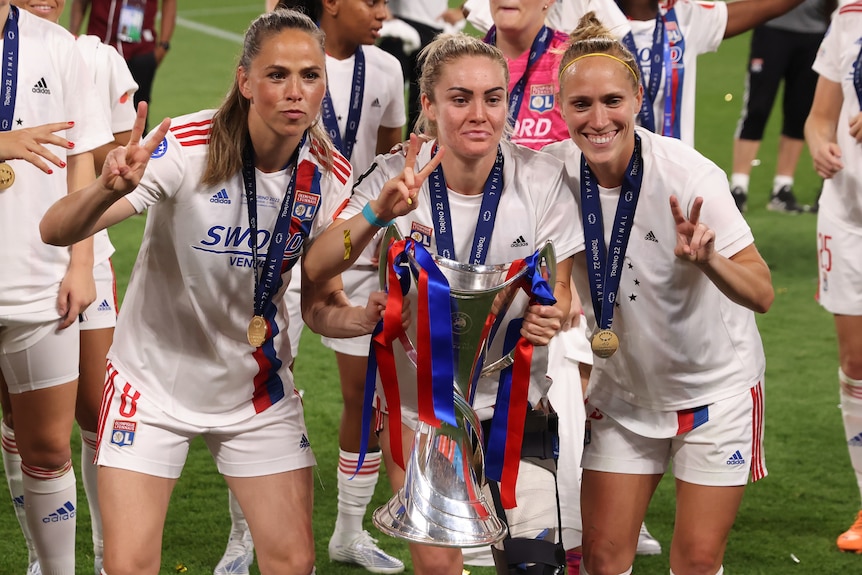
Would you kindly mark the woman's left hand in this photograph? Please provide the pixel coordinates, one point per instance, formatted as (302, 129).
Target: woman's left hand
(376, 307)
(77, 292)
(695, 241)
(541, 323)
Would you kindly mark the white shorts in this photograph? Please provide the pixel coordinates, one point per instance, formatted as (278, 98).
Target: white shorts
(359, 282)
(37, 355)
(719, 453)
(136, 435)
(102, 313)
(839, 265)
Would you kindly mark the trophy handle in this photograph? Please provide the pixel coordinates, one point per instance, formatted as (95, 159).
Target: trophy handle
(548, 255)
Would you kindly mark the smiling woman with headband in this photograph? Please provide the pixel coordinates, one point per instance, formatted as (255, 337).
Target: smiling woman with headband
(673, 278)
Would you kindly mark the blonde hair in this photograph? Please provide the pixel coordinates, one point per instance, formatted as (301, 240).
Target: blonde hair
(445, 49)
(229, 131)
(591, 38)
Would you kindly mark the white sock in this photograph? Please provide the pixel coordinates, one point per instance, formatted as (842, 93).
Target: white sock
(354, 494)
(626, 572)
(719, 572)
(12, 464)
(851, 412)
(781, 181)
(88, 476)
(50, 500)
(238, 524)
(739, 181)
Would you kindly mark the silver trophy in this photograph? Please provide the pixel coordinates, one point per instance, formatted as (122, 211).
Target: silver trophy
(441, 502)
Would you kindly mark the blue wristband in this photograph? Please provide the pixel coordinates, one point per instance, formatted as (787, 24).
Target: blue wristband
(372, 219)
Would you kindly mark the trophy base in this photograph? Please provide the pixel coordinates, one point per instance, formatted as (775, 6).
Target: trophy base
(398, 518)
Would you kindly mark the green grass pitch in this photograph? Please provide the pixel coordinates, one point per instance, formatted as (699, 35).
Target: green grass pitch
(809, 496)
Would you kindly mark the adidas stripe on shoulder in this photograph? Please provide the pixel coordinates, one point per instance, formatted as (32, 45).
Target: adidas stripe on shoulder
(341, 168)
(193, 133)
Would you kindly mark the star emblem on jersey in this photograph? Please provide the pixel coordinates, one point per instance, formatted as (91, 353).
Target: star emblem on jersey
(41, 87)
(19, 121)
(519, 242)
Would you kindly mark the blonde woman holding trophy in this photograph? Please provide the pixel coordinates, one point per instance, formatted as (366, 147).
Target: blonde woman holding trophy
(470, 196)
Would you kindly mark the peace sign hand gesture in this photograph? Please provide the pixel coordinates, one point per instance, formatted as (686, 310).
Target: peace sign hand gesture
(695, 241)
(125, 165)
(398, 196)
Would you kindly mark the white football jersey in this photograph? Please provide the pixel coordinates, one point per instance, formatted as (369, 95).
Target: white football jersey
(115, 88)
(534, 208)
(683, 344)
(53, 85)
(181, 336)
(701, 25)
(835, 61)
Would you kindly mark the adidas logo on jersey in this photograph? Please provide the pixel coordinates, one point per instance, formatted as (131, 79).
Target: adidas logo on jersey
(104, 306)
(519, 242)
(220, 197)
(303, 443)
(18, 502)
(650, 237)
(736, 459)
(375, 103)
(855, 441)
(62, 514)
(41, 87)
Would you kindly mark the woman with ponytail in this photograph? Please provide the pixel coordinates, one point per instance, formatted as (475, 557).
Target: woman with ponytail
(233, 197)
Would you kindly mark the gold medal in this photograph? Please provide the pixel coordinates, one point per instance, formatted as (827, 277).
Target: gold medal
(7, 176)
(256, 331)
(605, 343)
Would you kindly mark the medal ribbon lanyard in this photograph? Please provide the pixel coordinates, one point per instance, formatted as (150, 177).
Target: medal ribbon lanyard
(266, 286)
(487, 213)
(674, 69)
(657, 55)
(10, 70)
(540, 45)
(357, 94)
(604, 267)
(857, 77)
(666, 54)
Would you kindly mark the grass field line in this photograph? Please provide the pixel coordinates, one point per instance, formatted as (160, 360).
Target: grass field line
(242, 9)
(209, 30)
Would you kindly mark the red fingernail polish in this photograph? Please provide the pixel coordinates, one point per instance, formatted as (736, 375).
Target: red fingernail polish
(62, 164)
(50, 172)
(71, 144)
(71, 123)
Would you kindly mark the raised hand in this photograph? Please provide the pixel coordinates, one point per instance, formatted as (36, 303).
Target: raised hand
(398, 196)
(125, 165)
(695, 241)
(29, 145)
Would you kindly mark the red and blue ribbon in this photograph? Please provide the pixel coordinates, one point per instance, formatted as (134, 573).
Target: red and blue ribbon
(503, 445)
